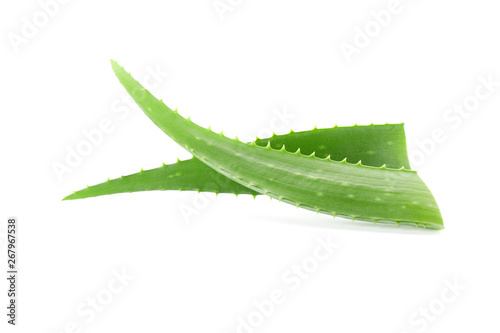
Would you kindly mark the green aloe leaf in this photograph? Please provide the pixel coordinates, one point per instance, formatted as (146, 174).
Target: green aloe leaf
(356, 191)
(375, 145)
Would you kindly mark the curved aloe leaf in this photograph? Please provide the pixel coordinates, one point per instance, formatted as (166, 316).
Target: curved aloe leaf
(375, 145)
(342, 189)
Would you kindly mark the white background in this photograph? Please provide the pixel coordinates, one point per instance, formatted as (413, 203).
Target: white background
(203, 272)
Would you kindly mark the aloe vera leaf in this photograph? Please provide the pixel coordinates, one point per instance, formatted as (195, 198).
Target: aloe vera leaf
(354, 191)
(375, 145)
